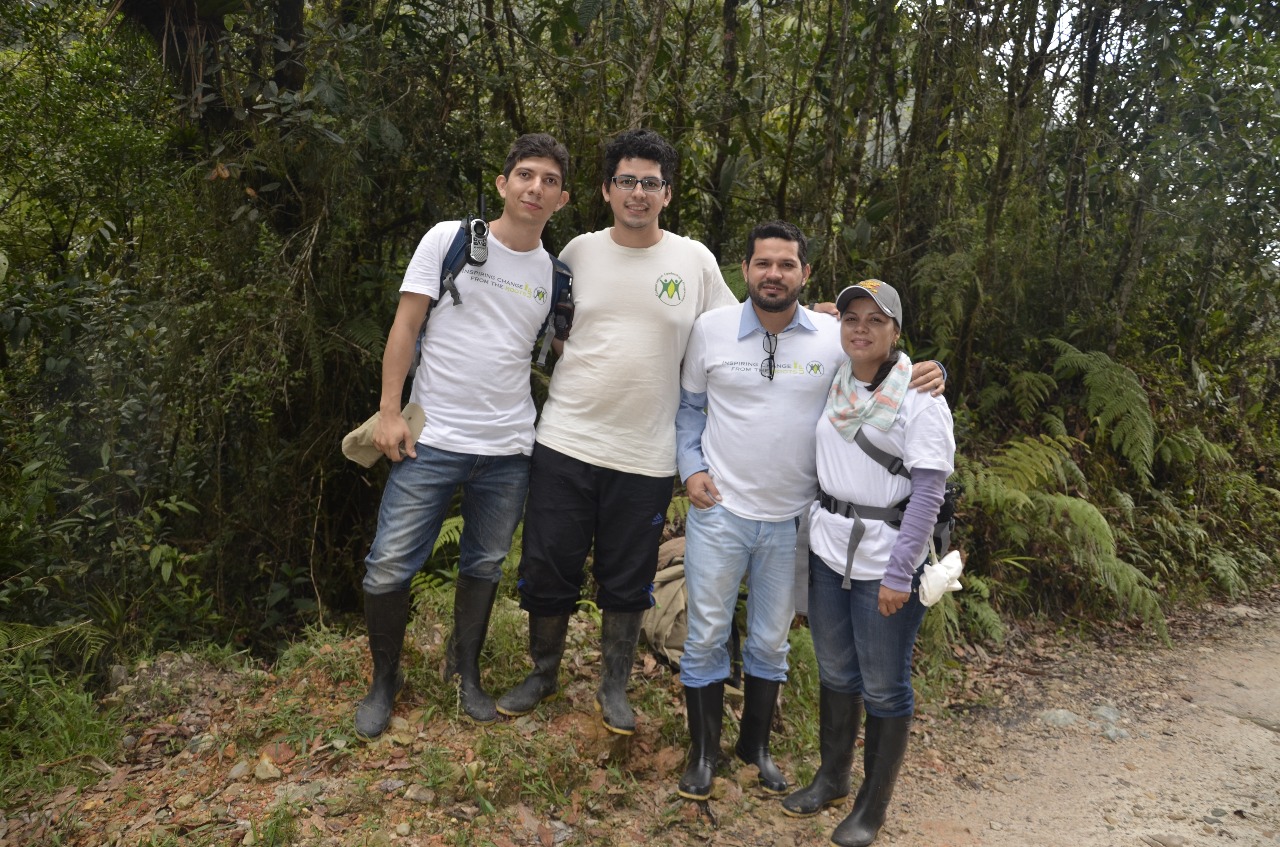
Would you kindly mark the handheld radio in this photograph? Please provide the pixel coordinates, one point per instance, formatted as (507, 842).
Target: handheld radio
(477, 237)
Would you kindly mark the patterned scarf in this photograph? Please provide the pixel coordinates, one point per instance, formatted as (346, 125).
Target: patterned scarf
(880, 409)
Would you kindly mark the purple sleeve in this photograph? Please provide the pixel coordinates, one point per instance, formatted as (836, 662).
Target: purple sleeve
(918, 519)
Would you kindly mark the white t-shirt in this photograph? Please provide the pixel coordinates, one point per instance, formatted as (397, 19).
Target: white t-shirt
(614, 393)
(922, 435)
(759, 440)
(473, 380)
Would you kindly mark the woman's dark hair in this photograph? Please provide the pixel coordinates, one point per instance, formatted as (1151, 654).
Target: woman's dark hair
(883, 371)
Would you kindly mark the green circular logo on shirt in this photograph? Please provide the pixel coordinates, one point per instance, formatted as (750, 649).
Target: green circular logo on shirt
(815, 368)
(540, 294)
(670, 289)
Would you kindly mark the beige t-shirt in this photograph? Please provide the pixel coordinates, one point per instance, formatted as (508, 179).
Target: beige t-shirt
(615, 391)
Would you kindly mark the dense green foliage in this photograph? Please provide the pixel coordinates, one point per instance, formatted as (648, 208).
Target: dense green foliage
(204, 218)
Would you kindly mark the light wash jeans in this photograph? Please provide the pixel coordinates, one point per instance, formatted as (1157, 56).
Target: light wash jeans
(859, 650)
(720, 548)
(416, 501)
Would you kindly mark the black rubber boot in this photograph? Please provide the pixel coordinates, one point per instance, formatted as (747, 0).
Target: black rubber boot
(838, 718)
(472, 605)
(386, 616)
(760, 696)
(706, 716)
(619, 632)
(886, 747)
(546, 647)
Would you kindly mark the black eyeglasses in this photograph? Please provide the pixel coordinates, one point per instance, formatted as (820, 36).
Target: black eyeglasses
(628, 183)
(770, 347)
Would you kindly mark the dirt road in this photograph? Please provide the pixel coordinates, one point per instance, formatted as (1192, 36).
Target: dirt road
(1168, 747)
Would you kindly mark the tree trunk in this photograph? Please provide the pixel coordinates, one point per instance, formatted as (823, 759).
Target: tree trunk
(637, 106)
(833, 139)
(870, 100)
(506, 93)
(726, 148)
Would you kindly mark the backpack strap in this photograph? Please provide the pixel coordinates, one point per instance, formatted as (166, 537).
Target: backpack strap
(559, 318)
(856, 513)
(892, 515)
(454, 258)
(888, 461)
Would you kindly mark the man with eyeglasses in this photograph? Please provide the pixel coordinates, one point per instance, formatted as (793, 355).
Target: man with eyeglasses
(604, 460)
(747, 453)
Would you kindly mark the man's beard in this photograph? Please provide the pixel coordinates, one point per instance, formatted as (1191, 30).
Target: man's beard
(773, 305)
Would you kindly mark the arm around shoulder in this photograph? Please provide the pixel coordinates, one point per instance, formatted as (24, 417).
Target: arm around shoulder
(929, 376)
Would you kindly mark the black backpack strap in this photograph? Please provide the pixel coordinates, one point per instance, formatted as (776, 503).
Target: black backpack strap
(559, 318)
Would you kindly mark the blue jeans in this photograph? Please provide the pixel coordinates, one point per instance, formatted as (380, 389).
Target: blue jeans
(720, 548)
(416, 502)
(858, 649)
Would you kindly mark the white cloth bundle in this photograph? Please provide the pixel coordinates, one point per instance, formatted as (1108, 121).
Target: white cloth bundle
(940, 575)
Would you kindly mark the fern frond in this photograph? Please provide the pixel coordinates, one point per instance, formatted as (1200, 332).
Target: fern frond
(1029, 463)
(1190, 446)
(450, 533)
(940, 627)
(1030, 389)
(82, 640)
(365, 334)
(1091, 547)
(1116, 400)
(987, 492)
(1082, 521)
(1123, 501)
(1227, 571)
(1053, 423)
(991, 399)
(587, 11)
(976, 610)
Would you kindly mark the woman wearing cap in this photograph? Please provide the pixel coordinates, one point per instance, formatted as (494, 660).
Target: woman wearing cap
(863, 610)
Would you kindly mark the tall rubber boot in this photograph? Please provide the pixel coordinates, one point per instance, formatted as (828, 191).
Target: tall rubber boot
(546, 647)
(386, 616)
(472, 605)
(838, 718)
(886, 747)
(760, 696)
(619, 632)
(706, 716)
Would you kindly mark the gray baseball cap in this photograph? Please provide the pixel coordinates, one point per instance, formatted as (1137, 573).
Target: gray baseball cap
(883, 293)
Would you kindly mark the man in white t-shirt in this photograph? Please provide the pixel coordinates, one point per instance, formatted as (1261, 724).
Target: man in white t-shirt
(604, 461)
(473, 383)
(754, 381)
